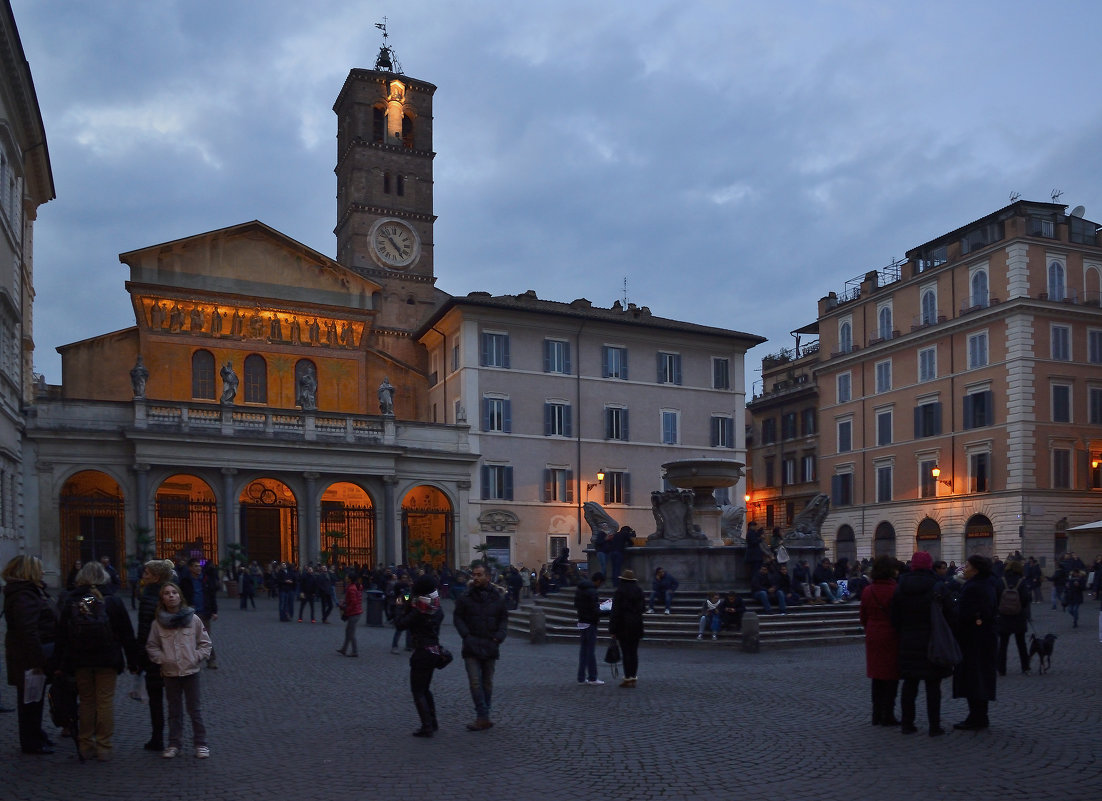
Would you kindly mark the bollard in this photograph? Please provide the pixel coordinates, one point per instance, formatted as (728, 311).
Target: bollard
(751, 633)
(537, 626)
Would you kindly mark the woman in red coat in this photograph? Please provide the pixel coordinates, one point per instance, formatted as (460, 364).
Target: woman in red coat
(881, 640)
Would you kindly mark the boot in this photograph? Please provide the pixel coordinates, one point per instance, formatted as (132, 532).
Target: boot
(432, 711)
(424, 711)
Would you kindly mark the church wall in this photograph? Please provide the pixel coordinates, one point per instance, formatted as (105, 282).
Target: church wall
(99, 368)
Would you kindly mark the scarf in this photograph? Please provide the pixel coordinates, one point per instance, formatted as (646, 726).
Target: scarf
(177, 620)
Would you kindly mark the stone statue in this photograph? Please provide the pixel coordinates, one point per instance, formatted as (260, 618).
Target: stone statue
(599, 520)
(216, 322)
(308, 391)
(731, 519)
(315, 332)
(256, 326)
(229, 383)
(809, 522)
(296, 331)
(673, 516)
(386, 397)
(237, 325)
(175, 318)
(138, 376)
(157, 316)
(196, 319)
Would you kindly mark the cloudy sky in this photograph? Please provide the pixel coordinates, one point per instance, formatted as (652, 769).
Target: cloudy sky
(732, 161)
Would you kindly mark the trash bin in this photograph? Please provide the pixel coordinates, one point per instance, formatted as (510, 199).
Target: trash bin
(373, 607)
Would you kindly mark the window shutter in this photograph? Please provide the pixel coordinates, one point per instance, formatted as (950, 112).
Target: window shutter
(507, 423)
(968, 421)
(505, 348)
(627, 488)
(567, 421)
(624, 364)
(566, 357)
(677, 370)
(989, 408)
(485, 414)
(547, 356)
(604, 362)
(716, 422)
(547, 494)
(937, 418)
(624, 421)
(484, 355)
(485, 471)
(547, 419)
(729, 426)
(608, 423)
(570, 486)
(835, 490)
(658, 371)
(508, 483)
(918, 421)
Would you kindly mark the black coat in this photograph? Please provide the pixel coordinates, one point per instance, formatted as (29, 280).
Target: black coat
(974, 677)
(117, 650)
(628, 604)
(481, 617)
(910, 612)
(147, 613)
(587, 603)
(1011, 624)
(30, 631)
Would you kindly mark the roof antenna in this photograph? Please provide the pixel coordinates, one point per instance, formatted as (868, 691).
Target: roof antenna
(1015, 197)
(625, 291)
(387, 59)
(1056, 194)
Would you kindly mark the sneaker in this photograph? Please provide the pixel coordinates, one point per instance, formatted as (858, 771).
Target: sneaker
(700, 636)
(201, 752)
(650, 611)
(481, 724)
(667, 611)
(715, 636)
(594, 681)
(171, 752)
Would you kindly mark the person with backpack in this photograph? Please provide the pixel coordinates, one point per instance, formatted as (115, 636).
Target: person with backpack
(1014, 614)
(156, 573)
(95, 642)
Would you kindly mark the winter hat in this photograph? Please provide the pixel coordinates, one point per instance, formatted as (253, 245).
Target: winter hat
(922, 561)
(627, 575)
(424, 585)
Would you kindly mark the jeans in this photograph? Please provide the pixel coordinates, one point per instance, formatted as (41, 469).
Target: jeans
(326, 606)
(656, 595)
(350, 634)
(710, 622)
(286, 604)
(180, 690)
(1004, 644)
(96, 688)
(1073, 610)
(309, 599)
(602, 560)
(587, 653)
(247, 597)
(155, 688)
(833, 595)
(480, 677)
(763, 599)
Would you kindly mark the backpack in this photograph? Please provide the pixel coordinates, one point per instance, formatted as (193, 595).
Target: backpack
(89, 627)
(1010, 604)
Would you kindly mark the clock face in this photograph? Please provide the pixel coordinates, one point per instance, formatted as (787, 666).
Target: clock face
(394, 244)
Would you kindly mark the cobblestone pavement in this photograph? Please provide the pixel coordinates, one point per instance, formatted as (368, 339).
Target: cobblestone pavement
(289, 718)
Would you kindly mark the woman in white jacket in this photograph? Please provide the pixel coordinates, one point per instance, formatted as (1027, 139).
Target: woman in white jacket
(178, 642)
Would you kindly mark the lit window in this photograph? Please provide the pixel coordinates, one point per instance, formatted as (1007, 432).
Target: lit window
(256, 379)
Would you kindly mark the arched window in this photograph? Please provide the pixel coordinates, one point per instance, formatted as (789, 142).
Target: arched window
(386, 183)
(886, 322)
(378, 124)
(845, 338)
(401, 185)
(884, 540)
(256, 379)
(1056, 281)
(407, 131)
(929, 307)
(202, 375)
(979, 288)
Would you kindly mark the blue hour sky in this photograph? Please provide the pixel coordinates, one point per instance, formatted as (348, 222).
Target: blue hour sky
(732, 161)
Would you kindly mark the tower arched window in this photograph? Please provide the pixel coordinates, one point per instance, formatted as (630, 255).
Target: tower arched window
(407, 131)
(400, 185)
(256, 379)
(929, 307)
(202, 375)
(979, 288)
(386, 183)
(845, 338)
(1056, 281)
(378, 124)
(885, 317)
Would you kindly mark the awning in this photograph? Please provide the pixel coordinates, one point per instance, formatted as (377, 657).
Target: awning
(1095, 526)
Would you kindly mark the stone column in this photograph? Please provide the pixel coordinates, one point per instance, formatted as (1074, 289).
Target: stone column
(390, 543)
(309, 534)
(227, 520)
(141, 496)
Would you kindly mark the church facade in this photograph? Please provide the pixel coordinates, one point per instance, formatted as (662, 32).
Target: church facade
(270, 399)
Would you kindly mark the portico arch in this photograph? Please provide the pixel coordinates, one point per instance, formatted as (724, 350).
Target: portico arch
(928, 537)
(186, 519)
(427, 526)
(269, 521)
(92, 517)
(979, 536)
(347, 525)
(883, 542)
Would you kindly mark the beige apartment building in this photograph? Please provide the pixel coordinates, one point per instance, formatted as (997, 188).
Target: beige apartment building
(961, 391)
(571, 402)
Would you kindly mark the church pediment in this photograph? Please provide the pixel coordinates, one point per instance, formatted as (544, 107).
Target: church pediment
(249, 261)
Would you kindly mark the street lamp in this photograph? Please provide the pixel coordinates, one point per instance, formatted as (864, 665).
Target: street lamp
(936, 472)
(600, 480)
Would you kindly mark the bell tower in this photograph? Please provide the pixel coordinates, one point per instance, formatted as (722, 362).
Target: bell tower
(384, 187)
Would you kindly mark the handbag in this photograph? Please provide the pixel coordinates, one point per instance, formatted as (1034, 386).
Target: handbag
(442, 655)
(943, 649)
(612, 654)
(782, 554)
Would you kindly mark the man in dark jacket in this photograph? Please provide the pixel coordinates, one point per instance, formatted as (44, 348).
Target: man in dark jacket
(199, 586)
(481, 618)
(662, 589)
(588, 606)
(766, 588)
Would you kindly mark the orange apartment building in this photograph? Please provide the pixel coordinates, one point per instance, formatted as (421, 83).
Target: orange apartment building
(960, 391)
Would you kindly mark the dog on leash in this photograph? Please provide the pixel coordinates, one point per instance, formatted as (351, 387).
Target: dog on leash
(1042, 646)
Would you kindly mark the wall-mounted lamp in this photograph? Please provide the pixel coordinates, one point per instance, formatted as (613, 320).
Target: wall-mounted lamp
(936, 472)
(746, 498)
(1095, 462)
(600, 480)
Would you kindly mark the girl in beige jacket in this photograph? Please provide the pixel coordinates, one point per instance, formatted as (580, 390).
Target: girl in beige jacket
(178, 642)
